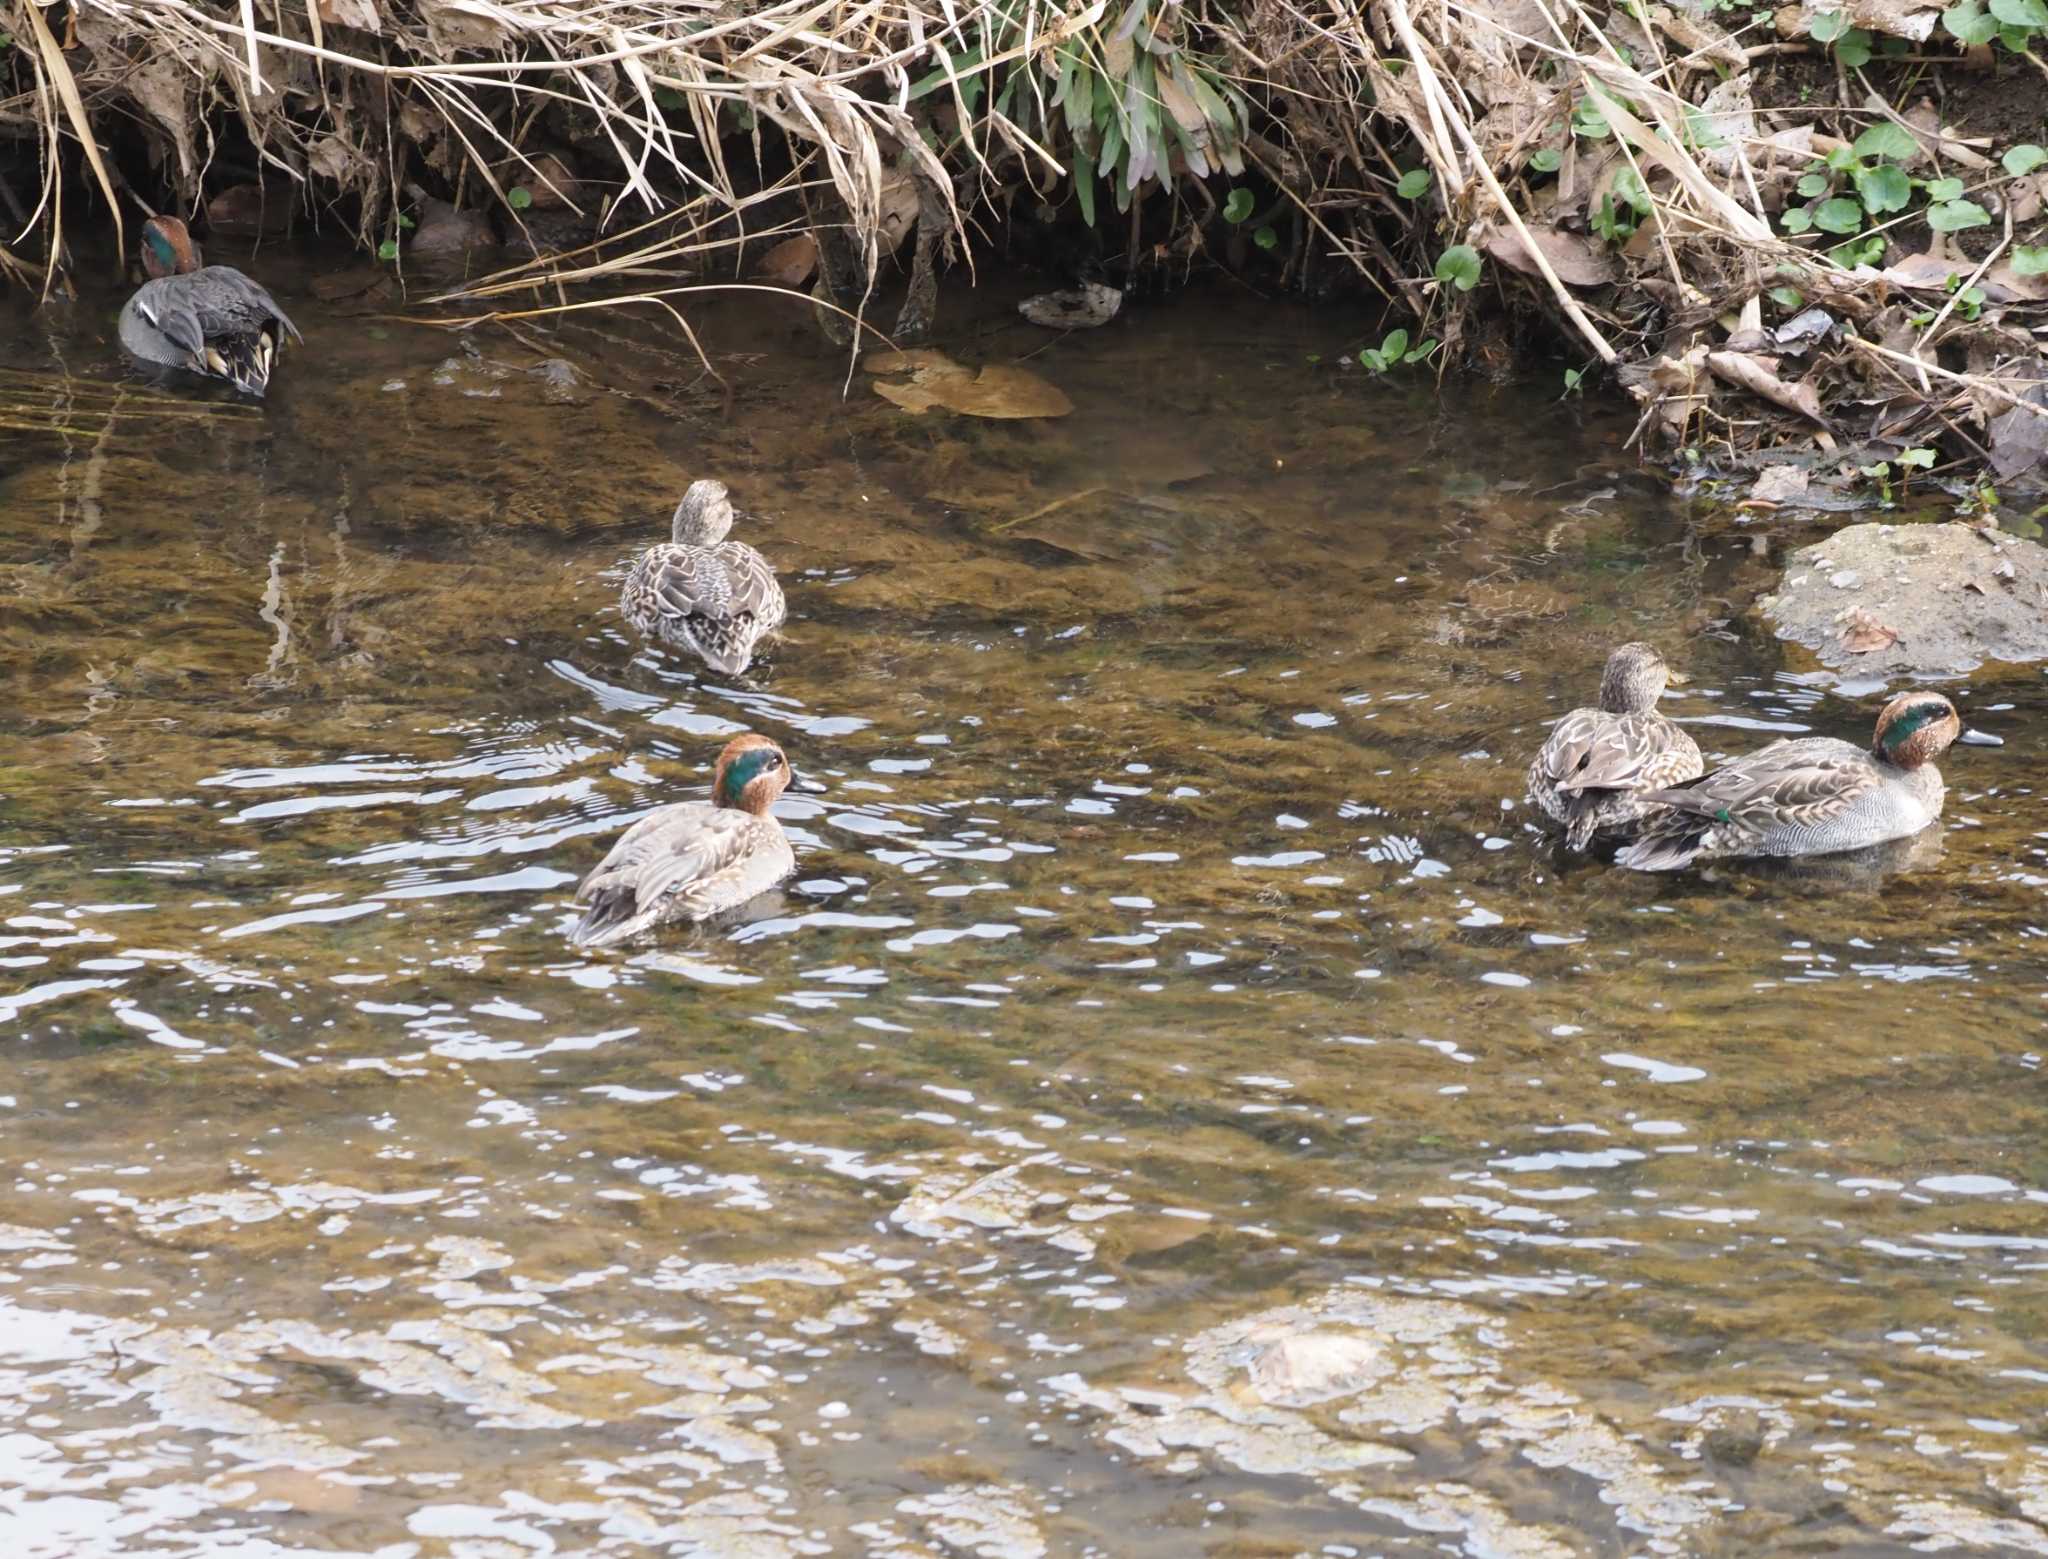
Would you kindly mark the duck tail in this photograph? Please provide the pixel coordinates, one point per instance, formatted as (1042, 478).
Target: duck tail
(609, 920)
(1669, 844)
(1579, 832)
(726, 644)
(243, 359)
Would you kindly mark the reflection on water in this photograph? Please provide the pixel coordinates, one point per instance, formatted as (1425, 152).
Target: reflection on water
(1178, 1106)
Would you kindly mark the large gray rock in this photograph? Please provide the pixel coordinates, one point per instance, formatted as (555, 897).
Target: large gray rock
(1916, 600)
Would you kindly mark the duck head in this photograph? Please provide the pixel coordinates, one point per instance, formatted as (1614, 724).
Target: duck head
(1634, 680)
(751, 773)
(1915, 728)
(167, 248)
(704, 515)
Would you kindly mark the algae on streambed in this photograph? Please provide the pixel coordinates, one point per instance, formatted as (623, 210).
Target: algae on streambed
(1178, 1106)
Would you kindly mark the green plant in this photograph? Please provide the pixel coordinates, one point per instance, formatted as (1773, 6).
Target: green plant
(2030, 259)
(1864, 180)
(1459, 265)
(1131, 95)
(2023, 159)
(1237, 206)
(1573, 379)
(1622, 210)
(388, 250)
(1414, 184)
(1545, 160)
(519, 197)
(1880, 473)
(1266, 238)
(2013, 24)
(1852, 44)
(1948, 212)
(1395, 351)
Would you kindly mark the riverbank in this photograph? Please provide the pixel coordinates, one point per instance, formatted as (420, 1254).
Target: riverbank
(1800, 238)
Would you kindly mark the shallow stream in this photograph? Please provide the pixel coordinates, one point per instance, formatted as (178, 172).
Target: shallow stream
(1179, 1107)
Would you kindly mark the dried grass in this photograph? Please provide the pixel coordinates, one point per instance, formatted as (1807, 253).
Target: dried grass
(1330, 101)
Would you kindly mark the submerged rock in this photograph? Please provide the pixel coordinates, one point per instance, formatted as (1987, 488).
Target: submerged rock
(1915, 600)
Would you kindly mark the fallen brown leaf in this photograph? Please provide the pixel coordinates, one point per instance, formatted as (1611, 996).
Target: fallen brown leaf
(1001, 390)
(789, 263)
(1862, 633)
(1757, 375)
(1576, 260)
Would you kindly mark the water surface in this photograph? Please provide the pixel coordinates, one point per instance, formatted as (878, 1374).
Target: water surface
(1178, 1107)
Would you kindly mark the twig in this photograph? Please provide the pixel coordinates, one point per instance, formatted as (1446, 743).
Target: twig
(1977, 382)
(1955, 297)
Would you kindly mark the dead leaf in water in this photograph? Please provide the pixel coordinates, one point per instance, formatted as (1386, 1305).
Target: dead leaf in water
(1862, 633)
(1780, 484)
(1001, 390)
(789, 263)
(1082, 308)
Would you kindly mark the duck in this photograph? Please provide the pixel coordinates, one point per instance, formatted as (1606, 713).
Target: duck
(716, 598)
(209, 320)
(693, 860)
(1811, 795)
(1593, 771)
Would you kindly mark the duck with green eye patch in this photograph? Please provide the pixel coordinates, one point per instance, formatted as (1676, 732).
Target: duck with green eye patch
(208, 320)
(693, 860)
(1815, 795)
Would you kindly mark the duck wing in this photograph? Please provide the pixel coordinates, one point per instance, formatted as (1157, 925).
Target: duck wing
(213, 302)
(1798, 784)
(1604, 751)
(754, 586)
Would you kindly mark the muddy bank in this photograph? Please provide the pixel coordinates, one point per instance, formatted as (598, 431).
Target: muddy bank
(1814, 231)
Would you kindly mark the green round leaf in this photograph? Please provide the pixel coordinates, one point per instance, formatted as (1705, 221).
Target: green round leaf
(1886, 140)
(1544, 161)
(1238, 206)
(2022, 160)
(1916, 459)
(1395, 344)
(1266, 238)
(2030, 14)
(1944, 189)
(1414, 184)
(1787, 298)
(1459, 265)
(1796, 219)
(2030, 260)
(1952, 216)
(406, 222)
(1628, 186)
(519, 197)
(1814, 185)
(1854, 49)
(1884, 188)
(1827, 26)
(388, 250)
(1839, 215)
(1968, 23)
